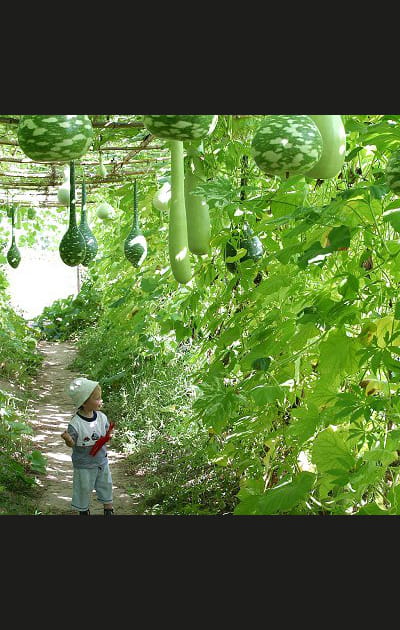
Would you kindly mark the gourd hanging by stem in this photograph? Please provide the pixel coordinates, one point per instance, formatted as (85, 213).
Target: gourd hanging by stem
(178, 248)
(72, 246)
(243, 238)
(13, 254)
(90, 239)
(197, 212)
(135, 245)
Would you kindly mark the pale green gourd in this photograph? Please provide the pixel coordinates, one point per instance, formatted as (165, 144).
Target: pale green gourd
(197, 211)
(178, 248)
(333, 135)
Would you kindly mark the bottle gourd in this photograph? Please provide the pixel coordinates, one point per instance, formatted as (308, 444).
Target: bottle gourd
(135, 245)
(13, 254)
(72, 246)
(90, 239)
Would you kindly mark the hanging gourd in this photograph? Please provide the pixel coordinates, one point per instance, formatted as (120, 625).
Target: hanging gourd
(392, 172)
(333, 135)
(102, 169)
(197, 213)
(72, 247)
(135, 246)
(90, 239)
(162, 197)
(287, 145)
(105, 210)
(180, 127)
(243, 238)
(63, 191)
(178, 248)
(13, 254)
(54, 137)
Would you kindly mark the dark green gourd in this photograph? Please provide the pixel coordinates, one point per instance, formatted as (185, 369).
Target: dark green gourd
(135, 246)
(90, 239)
(72, 246)
(13, 254)
(243, 238)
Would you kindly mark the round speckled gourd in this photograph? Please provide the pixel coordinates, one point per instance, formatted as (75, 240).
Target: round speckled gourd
(90, 239)
(392, 172)
(180, 127)
(287, 144)
(54, 137)
(72, 246)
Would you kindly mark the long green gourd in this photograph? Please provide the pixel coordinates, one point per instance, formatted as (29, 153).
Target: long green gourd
(72, 246)
(197, 212)
(135, 245)
(13, 254)
(90, 239)
(178, 248)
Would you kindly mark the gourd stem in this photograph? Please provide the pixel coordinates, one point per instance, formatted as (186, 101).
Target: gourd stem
(72, 214)
(83, 201)
(135, 206)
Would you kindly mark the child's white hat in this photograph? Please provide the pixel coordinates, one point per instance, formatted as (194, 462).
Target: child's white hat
(80, 389)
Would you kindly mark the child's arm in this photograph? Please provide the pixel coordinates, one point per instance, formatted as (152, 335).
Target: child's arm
(68, 439)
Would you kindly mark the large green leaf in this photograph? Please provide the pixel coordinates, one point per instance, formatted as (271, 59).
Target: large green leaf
(330, 453)
(280, 499)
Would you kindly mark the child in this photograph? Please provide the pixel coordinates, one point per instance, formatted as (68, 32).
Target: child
(88, 424)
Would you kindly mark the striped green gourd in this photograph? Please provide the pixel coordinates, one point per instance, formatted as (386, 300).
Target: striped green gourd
(392, 172)
(54, 137)
(180, 126)
(90, 239)
(135, 245)
(72, 246)
(243, 237)
(197, 212)
(287, 145)
(178, 249)
(13, 254)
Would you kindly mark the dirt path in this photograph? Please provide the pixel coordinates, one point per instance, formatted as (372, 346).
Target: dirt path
(50, 413)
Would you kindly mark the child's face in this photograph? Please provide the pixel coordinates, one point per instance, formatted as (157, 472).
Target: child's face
(94, 402)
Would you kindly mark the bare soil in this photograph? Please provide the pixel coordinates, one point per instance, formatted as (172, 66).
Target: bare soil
(50, 412)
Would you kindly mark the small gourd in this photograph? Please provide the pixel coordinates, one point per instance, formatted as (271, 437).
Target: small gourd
(13, 254)
(63, 191)
(105, 210)
(162, 197)
(90, 239)
(102, 169)
(392, 172)
(72, 246)
(243, 239)
(135, 246)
